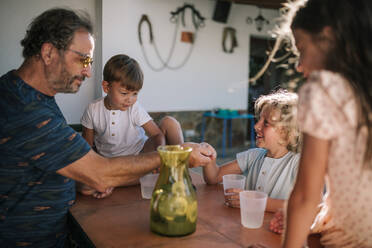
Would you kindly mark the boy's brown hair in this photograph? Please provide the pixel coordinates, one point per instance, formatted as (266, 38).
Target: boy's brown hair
(125, 70)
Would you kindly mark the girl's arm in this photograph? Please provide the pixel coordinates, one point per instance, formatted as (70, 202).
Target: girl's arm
(212, 173)
(88, 135)
(273, 205)
(302, 204)
(153, 131)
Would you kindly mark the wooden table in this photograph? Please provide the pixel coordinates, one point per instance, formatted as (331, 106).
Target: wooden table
(123, 220)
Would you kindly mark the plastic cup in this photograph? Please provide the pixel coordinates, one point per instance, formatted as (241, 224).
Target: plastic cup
(252, 208)
(233, 181)
(147, 185)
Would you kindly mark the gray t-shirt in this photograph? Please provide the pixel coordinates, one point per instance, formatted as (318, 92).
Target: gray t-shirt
(275, 176)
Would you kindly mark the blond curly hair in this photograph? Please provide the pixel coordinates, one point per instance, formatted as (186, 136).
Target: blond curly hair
(286, 104)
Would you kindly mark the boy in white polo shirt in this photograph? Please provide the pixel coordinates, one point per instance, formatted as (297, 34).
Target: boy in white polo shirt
(117, 125)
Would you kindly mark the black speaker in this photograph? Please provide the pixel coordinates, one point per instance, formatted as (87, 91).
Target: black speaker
(221, 11)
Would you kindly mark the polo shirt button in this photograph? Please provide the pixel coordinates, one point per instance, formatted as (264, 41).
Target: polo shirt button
(113, 113)
(259, 187)
(113, 123)
(113, 134)
(264, 172)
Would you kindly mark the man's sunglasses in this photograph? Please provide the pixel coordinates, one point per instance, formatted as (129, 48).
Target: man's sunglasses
(86, 60)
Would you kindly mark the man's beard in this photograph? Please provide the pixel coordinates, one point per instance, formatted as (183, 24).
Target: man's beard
(65, 82)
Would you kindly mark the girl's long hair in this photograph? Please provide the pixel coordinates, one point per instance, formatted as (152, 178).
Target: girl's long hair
(351, 54)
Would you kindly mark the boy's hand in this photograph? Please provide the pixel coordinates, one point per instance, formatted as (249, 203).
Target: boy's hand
(201, 155)
(277, 222)
(232, 199)
(208, 151)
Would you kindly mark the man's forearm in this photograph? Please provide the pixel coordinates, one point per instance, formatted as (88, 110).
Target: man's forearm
(123, 171)
(102, 173)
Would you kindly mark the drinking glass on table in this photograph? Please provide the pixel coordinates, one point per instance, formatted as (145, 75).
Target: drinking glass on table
(231, 181)
(252, 208)
(147, 185)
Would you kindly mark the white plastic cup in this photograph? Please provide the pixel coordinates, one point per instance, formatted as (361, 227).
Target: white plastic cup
(233, 181)
(252, 208)
(147, 185)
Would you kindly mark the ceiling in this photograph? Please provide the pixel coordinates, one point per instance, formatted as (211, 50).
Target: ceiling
(271, 4)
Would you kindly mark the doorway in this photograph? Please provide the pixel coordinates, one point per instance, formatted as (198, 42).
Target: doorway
(259, 49)
(281, 74)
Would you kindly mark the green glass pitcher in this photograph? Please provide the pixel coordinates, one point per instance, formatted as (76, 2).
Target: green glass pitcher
(174, 208)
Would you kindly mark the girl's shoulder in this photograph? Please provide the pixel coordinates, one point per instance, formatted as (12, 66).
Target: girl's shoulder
(326, 78)
(333, 84)
(331, 91)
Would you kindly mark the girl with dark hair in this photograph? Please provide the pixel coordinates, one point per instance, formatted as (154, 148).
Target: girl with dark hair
(334, 42)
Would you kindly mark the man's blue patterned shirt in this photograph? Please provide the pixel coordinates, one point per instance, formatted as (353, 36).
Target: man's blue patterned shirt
(35, 142)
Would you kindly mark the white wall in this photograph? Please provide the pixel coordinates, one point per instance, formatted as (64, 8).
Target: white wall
(15, 15)
(210, 79)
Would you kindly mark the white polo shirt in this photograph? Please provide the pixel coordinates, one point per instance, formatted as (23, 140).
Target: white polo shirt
(116, 133)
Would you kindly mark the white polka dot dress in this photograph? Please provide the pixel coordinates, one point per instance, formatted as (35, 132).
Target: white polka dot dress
(328, 110)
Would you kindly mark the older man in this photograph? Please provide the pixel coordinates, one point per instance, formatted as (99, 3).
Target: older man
(39, 152)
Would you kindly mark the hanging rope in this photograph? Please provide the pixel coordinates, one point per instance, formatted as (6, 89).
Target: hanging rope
(165, 62)
(198, 22)
(145, 18)
(170, 54)
(229, 31)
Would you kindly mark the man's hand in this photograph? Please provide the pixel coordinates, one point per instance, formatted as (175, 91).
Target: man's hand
(100, 195)
(86, 190)
(201, 155)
